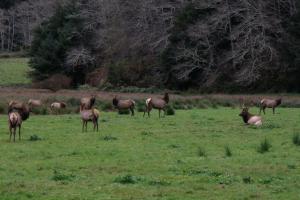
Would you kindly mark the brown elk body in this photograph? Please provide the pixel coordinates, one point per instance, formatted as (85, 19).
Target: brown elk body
(157, 103)
(248, 118)
(56, 106)
(34, 103)
(14, 122)
(87, 103)
(269, 103)
(22, 108)
(89, 115)
(124, 104)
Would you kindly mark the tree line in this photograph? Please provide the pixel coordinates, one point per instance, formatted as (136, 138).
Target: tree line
(209, 46)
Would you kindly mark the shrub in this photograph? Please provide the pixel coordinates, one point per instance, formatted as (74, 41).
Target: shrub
(34, 138)
(59, 176)
(170, 111)
(228, 152)
(108, 138)
(264, 146)
(55, 83)
(106, 106)
(127, 179)
(73, 102)
(247, 179)
(201, 152)
(40, 110)
(296, 139)
(123, 112)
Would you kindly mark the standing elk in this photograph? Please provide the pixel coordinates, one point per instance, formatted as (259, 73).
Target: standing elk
(14, 122)
(87, 103)
(22, 108)
(157, 103)
(269, 103)
(124, 104)
(248, 118)
(89, 115)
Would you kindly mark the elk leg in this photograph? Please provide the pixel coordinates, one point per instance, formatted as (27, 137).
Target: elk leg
(264, 110)
(86, 126)
(82, 125)
(14, 134)
(19, 132)
(132, 111)
(164, 111)
(97, 124)
(10, 133)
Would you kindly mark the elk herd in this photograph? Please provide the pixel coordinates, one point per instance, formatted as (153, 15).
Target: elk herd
(20, 111)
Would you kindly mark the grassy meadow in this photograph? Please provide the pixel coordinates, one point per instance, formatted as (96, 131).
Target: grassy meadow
(13, 71)
(194, 154)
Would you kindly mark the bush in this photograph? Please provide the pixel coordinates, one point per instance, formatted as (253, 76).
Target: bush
(201, 152)
(264, 146)
(123, 112)
(34, 138)
(170, 111)
(228, 152)
(127, 179)
(40, 110)
(59, 176)
(55, 83)
(296, 139)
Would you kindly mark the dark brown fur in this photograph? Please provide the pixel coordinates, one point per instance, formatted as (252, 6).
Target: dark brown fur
(269, 103)
(124, 104)
(20, 107)
(157, 103)
(87, 103)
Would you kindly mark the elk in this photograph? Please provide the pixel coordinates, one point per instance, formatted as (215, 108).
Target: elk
(269, 103)
(157, 103)
(89, 115)
(124, 104)
(20, 107)
(248, 118)
(14, 122)
(55, 106)
(34, 103)
(87, 103)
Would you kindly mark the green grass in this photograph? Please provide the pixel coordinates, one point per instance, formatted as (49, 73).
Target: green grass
(151, 158)
(13, 71)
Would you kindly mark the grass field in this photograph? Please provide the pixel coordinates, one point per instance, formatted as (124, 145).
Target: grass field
(177, 157)
(13, 71)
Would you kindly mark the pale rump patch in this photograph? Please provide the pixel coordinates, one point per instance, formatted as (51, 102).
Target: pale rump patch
(148, 101)
(255, 120)
(13, 117)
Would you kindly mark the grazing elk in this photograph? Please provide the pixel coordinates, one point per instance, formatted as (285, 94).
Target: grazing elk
(56, 106)
(87, 103)
(248, 118)
(157, 103)
(89, 115)
(124, 104)
(269, 103)
(20, 107)
(34, 103)
(14, 122)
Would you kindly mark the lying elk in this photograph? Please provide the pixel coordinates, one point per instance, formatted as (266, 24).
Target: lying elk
(89, 115)
(14, 122)
(269, 103)
(124, 104)
(58, 106)
(157, 103)
(248, 118)
(20, 107)
(87, 103)
(34, 103)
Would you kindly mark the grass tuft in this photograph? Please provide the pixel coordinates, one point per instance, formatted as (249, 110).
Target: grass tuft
(59, 176)
(127, 179)
(265, 146)
(201, 152)
(296, 139)
(228, 152)
(170, 110)
(34, 138)
(109, 138)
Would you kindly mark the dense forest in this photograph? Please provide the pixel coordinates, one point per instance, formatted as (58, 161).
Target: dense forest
(205, 45)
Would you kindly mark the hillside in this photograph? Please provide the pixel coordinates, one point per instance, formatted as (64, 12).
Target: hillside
(210, 46)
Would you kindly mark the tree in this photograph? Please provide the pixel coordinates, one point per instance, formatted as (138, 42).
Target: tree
(53, 40)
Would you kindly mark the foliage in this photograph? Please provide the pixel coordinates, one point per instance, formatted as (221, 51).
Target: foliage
(296, 139)
(264, 146)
